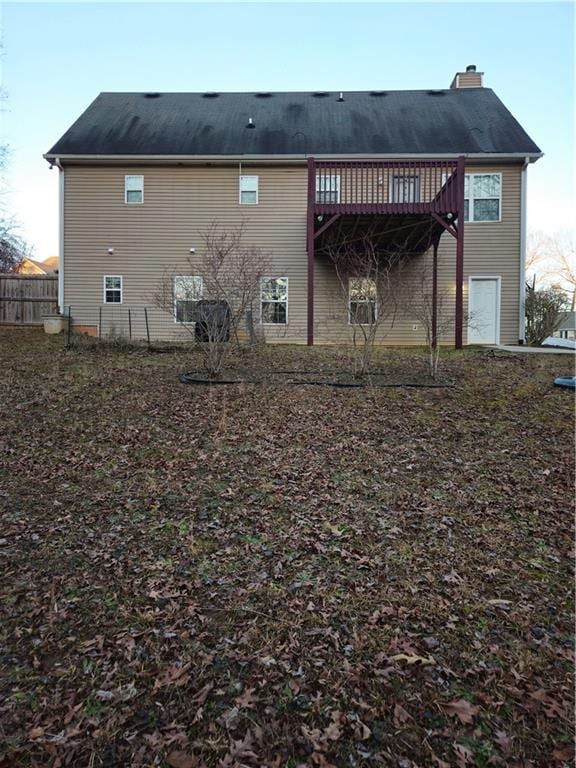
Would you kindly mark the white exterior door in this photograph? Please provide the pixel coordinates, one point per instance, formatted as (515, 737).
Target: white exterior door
(484, 310)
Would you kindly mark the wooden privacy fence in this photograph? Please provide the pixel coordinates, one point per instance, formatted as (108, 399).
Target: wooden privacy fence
(25, 298)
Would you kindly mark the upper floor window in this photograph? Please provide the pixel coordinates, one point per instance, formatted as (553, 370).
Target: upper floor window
(248, 190)
(274, 300)
(327, 188)
(405, 189)
(112, 289)
(362, 301)
(187, 292)
(482, 196)
(133, 189)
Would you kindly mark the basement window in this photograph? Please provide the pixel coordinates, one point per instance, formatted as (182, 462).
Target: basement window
(133, 190)
(274, 301)
(248, 190)
(187, 293)
(362, 308)
(482, 197)
(112, 289)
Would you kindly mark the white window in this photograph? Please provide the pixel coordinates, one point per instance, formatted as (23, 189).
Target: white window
(362, 301)
(404, 189)
(133, 189)
(482, 196)
(112, 289)
(248, 190)
(274, 300)
(187, 292)
(327, 188)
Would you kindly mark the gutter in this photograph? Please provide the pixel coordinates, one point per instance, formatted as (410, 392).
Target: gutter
(56, 161)
(280, 159)
(523, 241)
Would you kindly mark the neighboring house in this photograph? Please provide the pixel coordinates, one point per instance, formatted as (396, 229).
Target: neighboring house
(567, 327)
(32, 267)
(142, 175)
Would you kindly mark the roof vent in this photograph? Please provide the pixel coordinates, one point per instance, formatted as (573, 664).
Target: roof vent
(378, 93)
(263, 95)
(210, 95)
(436, 93)
(152, 95)
(320, 94)
(250, 123)
(341, 97)
(471, 68)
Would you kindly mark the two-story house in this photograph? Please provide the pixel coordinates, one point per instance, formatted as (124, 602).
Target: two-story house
(142, 175)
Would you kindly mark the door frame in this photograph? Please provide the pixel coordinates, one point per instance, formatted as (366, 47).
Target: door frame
(498, 279)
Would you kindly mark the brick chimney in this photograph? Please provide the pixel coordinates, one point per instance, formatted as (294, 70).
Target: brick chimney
(468, 79)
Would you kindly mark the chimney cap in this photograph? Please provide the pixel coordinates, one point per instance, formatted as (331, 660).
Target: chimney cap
(471, 68)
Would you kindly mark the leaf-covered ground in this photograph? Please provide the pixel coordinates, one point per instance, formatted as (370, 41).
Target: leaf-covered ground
(273, 575)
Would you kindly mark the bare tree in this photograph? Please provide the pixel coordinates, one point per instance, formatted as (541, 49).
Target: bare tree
(563, 255)
(13, 249)
(551, 261)
(214, 299)
(436, 325)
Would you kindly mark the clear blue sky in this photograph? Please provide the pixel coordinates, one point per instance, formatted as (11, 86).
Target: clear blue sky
(58, 56)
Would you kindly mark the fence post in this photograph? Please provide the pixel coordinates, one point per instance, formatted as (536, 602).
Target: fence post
(129, 325)
(147, 327)
(69, 329)
(100, 322)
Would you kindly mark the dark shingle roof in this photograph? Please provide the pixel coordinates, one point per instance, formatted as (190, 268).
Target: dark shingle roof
(458, 121)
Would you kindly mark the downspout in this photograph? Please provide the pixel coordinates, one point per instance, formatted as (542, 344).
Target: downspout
(60, 167)
(523, 239)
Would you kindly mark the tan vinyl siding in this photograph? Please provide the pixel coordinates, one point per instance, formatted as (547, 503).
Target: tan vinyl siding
(154, 239)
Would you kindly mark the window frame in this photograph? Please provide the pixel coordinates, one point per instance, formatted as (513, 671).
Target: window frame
(240, 190)
(126, 190)
(275, 301)
(175, 300)
(331, 176)
(105, 290)
(471, 199)
(362, 301)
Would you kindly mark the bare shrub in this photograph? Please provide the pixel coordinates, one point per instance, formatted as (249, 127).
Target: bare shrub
(544, 310)
(221, 288)
(374, 285)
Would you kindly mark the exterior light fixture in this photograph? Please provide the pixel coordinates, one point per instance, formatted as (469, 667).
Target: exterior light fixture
(110, 251)
(192, 250)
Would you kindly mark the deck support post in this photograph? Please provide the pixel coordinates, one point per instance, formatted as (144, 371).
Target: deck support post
(310, 248)
(459, 319)
(435, 295)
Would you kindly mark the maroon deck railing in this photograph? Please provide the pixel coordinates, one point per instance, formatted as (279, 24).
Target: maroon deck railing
(390, 186)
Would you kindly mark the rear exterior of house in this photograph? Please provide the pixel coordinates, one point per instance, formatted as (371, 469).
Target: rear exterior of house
(440, 173)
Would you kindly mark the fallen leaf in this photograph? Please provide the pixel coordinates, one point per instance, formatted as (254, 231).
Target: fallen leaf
(413, 659)
(462, 709)
(504, 741)
(464, 756)
(178, 759)
(564, 754)
(401, 715)
(247, 699)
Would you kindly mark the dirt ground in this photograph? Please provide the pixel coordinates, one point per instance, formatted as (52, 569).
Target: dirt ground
(281, 574)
